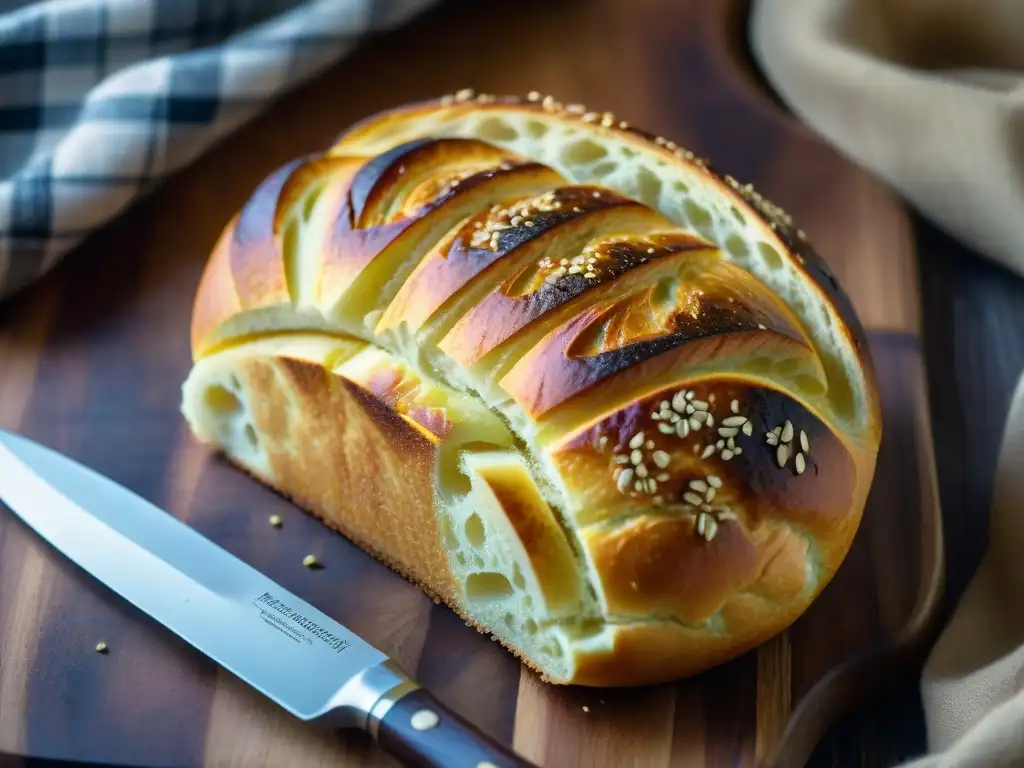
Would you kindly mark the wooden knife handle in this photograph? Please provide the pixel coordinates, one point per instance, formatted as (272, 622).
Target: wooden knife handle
(419, 730)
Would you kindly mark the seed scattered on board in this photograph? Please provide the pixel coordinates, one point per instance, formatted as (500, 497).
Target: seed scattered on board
(275, 520)
(586, 708)
(101, 647)
(310, 561)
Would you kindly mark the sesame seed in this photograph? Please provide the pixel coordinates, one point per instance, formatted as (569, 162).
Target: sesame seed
(762, 326)
(622, 459)
(737, 450)
(596, 194)
(528, 223)
(701, 416)
(661, 459)
(664, 405)
(590, 117)
(711, 420)
(771, 438)
(734, 421)
(804, 442)
(310, 561)
(782, 454)
(694, 424)
(516, 221)
(652, 485)
(590, 275)
(708, 450)
(714, 481)
(650, 250)
(275, 520)
(726, 454)
(689, 395)
(464, 95)
(692, 498)
(690, 408)
(533, 96)
(548, 102)
(641, 470)
(638, 485)
(702, 521)
(649, 445)
(734, 406)
(698, 485)
(720, 444)
(447, 100)
(710, 529)
(101, 647)
(636, 456)
(683, 427)
(787, 431)
(637, 440)
(748, 428)
(709, 495)
(800, 464)
(727, 431)
(730, 443)
(575, 269)
(624, 479)
(727, 514)
(667, 429)
(711, 397)
(700, 405)
(662, 478)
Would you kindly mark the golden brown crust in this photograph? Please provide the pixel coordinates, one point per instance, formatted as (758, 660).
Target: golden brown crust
(343, 454)
(645, 329)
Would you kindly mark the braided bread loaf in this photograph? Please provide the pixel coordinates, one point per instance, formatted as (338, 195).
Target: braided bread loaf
(603, 402)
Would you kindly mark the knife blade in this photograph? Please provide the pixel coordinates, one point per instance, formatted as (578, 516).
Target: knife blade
(310, 665)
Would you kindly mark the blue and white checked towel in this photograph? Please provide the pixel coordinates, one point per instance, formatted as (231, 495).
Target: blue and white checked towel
(101, 99)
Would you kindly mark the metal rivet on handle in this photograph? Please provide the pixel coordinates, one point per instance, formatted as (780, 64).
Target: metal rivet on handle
(424, 720)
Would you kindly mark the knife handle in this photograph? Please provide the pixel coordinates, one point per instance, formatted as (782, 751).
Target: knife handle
(419, 730)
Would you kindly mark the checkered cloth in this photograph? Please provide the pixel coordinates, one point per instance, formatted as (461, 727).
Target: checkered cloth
(101, 99)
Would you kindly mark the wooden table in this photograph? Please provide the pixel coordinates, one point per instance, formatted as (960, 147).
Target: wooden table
(972, 310)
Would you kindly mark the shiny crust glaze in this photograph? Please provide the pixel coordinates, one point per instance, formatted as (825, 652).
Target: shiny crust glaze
(752, 483)
(778, 226)
(520, 231)
(392, 175)
(352, 242)
(540, 288)
(641, 327)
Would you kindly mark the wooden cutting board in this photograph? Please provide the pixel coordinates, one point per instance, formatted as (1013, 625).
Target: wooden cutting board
(92, 358)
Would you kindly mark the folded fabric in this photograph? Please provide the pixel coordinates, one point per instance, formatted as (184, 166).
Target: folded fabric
(929, 95)
(102, 99)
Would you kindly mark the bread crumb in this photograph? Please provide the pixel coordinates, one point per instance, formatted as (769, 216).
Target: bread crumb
(275, 520)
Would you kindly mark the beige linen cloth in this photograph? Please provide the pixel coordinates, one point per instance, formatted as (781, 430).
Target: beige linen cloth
(929, 96)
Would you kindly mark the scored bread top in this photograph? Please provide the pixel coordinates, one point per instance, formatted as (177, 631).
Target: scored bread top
(689, 384)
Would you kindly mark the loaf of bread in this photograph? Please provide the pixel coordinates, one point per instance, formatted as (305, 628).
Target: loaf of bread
(601, 400)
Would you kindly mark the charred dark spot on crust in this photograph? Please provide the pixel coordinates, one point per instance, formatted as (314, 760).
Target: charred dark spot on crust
(373, 171)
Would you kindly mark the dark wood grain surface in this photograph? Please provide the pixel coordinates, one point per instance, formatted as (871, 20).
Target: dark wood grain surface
(91, 361)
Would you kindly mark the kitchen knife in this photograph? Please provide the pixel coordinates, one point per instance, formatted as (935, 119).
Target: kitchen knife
(306, 662)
